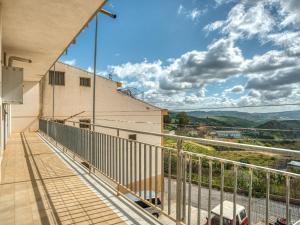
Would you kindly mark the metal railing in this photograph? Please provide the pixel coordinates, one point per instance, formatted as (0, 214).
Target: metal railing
(188, 185)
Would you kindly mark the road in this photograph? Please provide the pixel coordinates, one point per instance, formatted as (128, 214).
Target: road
(258, 208)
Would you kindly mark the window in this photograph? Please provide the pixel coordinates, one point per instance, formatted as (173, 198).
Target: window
(85, 123)
(132, 137)
(86, 82)
(58, 79)
(243, 214)
(59, 121)
(215, 220)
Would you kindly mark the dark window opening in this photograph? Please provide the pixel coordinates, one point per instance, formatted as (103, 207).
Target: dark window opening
(59, 121)
(57, 79)
(86, 82)
(85, 123)
(132, 137)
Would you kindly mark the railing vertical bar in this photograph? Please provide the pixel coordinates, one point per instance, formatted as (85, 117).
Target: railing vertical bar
(116, 159)
(135, 167)
(190, 190)
(111, 160)
(250, 195)
(162, 176)
(235, 168)
(107, 154)
(178, 181)
(222, 193)
(123, 163)
(145, 170)
(169, 181)
(110, 149)
(120, 159)
(156, 174)
(127, 165)
(102, 153)
(184, 188)
(199, 191)
(150, 169)
(267, 197)
(131, 165)
(99, 155)
(209, 191)
(287, 203)
(140, 169)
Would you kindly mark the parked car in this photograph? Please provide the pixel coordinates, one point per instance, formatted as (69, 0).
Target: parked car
(241, 215)
(150, 197)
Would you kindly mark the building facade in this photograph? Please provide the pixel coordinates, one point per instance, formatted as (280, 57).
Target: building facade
(66, 96)
(71, 99)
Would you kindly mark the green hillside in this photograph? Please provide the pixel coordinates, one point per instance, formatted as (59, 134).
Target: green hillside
(281, 124)
(229, 121)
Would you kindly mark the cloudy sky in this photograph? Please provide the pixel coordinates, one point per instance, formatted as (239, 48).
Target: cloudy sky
(189, 54)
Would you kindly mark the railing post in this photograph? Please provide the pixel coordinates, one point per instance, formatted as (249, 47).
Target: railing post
(178, 180)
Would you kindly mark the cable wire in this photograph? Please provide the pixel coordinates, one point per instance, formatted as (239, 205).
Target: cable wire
(237, 107)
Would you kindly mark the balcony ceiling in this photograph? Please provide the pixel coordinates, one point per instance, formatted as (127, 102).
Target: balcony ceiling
(41, 29)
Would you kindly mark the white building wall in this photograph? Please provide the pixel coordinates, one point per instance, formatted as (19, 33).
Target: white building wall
(25, 116)
(112, 107)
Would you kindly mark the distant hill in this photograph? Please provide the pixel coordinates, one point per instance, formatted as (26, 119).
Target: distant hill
(281, 124)
(219, 121)
(225, 121)
(255, 117)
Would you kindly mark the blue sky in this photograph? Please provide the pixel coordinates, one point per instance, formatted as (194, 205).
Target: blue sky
(195, 53)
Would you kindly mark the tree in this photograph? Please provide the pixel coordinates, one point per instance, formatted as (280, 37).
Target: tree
(182, 118)
(167, 119)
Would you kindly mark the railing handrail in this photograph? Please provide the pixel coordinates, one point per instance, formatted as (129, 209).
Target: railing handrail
(247, 147)
(209, 157)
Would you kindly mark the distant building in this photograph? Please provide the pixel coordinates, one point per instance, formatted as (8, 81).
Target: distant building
(228, 134)
(293, 166)
(193, 133)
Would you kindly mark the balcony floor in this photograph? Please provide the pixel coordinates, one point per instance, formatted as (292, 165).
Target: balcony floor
(39, 187)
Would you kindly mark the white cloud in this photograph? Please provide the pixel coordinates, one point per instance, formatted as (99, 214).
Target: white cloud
(270, 62)
(235, 89)
(89, 69)
(290, 9)
(221, 2)
(182, 81)
(193, 14)
(214, 26)
(70, 62)
(180, 9)
(245, 21)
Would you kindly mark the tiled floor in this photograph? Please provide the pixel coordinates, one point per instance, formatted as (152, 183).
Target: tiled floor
(37, 187)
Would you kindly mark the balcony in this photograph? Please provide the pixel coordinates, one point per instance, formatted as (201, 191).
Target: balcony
(68, 175)
(40, 185)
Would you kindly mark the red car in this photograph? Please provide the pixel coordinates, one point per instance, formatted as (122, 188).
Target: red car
(241, 215)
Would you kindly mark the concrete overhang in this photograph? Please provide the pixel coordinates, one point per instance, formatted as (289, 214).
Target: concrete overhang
(40, 30)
